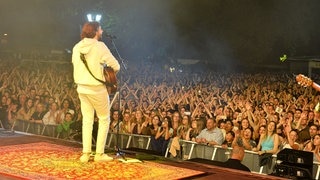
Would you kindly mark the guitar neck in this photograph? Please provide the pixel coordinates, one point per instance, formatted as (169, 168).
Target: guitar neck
(316, 86)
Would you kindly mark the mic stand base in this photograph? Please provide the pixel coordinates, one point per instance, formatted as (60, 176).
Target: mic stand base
(120, 153)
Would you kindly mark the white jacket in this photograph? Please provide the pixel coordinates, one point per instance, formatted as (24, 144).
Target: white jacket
(96, 54)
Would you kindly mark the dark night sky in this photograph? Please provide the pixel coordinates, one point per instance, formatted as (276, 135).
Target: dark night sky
(228, 31)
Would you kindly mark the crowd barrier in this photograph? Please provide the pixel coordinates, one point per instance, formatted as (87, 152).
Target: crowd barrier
(192, 150)
(189, 149)
(36, 128)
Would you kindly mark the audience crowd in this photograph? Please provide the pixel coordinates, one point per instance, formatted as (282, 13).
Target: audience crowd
(262, 112)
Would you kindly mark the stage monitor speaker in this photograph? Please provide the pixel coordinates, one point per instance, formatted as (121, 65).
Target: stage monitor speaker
(294, 164)
(296, 157)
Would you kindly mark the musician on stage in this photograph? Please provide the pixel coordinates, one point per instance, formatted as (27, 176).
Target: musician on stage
(93, 95)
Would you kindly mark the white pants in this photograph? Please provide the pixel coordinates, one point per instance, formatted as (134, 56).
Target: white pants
(89, 103)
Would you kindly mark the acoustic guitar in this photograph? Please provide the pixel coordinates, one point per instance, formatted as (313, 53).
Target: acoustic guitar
(109, 75)
(111, 79)
(307, 82)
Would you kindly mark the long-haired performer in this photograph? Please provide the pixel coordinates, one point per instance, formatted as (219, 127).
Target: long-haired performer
(93, 94)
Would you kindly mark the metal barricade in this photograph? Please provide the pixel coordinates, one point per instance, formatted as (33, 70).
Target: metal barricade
(189, 150)
(139, 141)
(128, 140)
(118, 140)
(21, 125)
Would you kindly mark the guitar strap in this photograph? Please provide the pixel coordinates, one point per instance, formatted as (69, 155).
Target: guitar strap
(83, 58)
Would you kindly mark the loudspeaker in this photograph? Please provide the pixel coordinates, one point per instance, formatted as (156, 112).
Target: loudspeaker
(296, 157)
(294, 164)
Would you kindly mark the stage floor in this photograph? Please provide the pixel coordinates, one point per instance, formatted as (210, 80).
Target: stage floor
(209, 171)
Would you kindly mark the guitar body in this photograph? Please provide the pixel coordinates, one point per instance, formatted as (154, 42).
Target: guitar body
(111, 80)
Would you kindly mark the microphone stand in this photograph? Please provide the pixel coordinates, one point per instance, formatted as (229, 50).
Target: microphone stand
(119, 152)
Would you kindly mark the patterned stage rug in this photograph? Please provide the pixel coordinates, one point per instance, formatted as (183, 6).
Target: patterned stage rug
(50, 161)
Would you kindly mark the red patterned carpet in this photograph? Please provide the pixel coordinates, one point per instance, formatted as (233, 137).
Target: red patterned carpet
(50, 161)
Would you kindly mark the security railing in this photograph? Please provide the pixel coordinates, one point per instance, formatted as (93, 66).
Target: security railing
(192, 150)
(189, 149)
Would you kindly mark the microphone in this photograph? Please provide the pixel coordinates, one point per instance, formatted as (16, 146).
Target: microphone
(109, 36)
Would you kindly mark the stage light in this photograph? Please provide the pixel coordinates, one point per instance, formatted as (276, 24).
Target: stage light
(91, 17)
(283, 58)
(98, 17)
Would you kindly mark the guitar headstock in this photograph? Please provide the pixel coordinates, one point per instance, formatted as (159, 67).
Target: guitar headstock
(304, 80)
